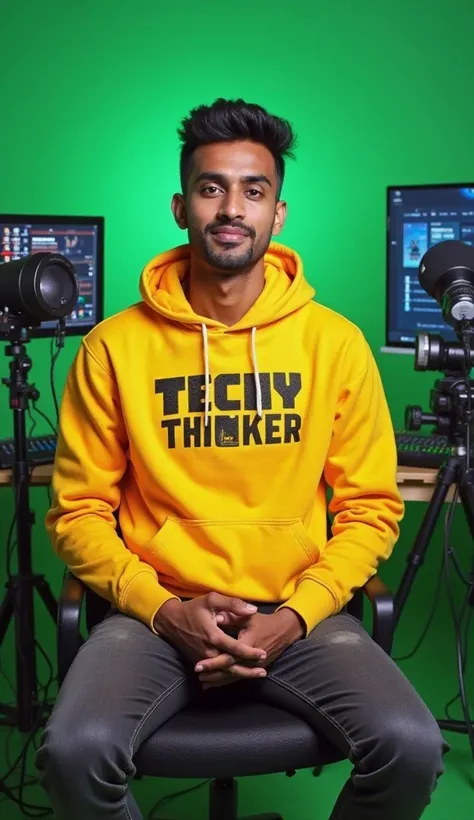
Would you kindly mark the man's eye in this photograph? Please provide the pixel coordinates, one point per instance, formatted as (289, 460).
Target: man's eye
(210, 189)
(254, 193)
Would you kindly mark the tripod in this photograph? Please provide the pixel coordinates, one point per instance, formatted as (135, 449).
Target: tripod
(454, 472)
(18, 603)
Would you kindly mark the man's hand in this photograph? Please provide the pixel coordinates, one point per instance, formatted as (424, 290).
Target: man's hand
(193, 627)
(272, 633)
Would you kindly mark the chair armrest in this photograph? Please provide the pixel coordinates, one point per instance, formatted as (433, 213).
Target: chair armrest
(383, 612)
(69, 637)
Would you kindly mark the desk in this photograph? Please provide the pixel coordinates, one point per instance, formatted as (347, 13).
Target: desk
(415, 483)
(40, 477)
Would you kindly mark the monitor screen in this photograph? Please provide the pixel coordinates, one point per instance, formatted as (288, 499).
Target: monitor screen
(419, 217)
(81, 240)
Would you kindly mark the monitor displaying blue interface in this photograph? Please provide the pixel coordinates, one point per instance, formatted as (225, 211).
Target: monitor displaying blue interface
(81, 240)
(419, 217)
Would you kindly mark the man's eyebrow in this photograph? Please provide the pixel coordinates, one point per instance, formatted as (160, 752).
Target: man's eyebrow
(221, 179)
(257, 178)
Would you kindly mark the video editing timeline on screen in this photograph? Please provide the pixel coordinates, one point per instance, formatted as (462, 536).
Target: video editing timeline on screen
(78, 242)
(418, 218)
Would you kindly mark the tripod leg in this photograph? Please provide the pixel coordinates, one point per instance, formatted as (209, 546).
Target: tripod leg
(46, 595)
(6, 613)
(446, 477)
(7, 608)
(25, 654)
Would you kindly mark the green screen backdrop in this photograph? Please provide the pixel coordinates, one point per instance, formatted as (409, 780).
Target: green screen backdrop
(379, 93)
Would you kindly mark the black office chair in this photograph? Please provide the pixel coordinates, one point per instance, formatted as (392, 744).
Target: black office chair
(227, 738)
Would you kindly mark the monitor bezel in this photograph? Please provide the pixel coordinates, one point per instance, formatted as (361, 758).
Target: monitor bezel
(429, 186)
(48, 219)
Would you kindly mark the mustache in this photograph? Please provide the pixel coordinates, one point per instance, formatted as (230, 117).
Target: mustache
(227, 224)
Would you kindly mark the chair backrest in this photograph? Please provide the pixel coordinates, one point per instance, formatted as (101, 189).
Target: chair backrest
(96, 608)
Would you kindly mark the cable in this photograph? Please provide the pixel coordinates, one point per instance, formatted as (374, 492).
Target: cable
(467, 607)
(11, 543)
(25, 808)
(429, 619)
(55, 432)
(461, 575)
(45, 417)
(29, 781)
(28, 809)
(21, 759)
(33, 422)
(467, 372)
(52, 676)
(8, 680)
(59, 338)
(466, 645)
(163, 801)
(460, 654)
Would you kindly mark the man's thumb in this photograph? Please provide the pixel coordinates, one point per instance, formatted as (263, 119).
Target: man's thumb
(231, 619)
(227, 604)
(239, 607)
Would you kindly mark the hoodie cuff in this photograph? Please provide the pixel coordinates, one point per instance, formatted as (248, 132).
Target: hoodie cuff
(144, 597)
(313, 602)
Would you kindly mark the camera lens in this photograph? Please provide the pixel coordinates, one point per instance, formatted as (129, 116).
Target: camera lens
(434, 353)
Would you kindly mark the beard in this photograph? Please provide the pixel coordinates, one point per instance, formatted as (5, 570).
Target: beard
(234, 258)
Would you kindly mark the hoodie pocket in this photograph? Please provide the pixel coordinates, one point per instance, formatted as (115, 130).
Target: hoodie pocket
(256, 560)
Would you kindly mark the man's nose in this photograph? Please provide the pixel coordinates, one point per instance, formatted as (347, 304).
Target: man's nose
(232, 206)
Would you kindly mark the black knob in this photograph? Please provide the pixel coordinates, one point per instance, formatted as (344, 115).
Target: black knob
(413, 418)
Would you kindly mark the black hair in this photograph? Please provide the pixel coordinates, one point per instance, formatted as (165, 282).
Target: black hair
(229, 120)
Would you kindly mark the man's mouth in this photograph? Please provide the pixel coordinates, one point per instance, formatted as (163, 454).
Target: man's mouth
(226, 234)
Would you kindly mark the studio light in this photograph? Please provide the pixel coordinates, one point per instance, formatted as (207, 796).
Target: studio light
(38, 288)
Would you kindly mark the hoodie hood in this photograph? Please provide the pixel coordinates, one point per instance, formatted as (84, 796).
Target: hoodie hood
(285, 291)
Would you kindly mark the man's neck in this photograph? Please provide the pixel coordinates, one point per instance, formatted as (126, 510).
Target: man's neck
(225, 298)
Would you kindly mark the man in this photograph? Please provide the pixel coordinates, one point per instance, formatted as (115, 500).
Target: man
(212, 416)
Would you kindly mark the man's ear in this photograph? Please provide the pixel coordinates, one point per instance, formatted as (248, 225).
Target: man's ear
(178, 207)
(280, 217)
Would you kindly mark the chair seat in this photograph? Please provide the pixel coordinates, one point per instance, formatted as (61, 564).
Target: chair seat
(232, 740)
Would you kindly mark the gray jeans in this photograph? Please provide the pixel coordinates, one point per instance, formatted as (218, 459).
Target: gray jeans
(126, 682)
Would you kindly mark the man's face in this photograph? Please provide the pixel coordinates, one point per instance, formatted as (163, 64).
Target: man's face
(231, 209)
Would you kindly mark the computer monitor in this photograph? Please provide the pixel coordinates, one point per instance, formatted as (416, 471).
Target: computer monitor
(419, 216)
(81, 240)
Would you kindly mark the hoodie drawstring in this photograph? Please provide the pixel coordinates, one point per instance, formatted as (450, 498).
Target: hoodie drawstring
(256, 374)
(207, 402)
(207, 376)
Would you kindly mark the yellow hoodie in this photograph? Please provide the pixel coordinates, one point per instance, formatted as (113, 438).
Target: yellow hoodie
(217, 444)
